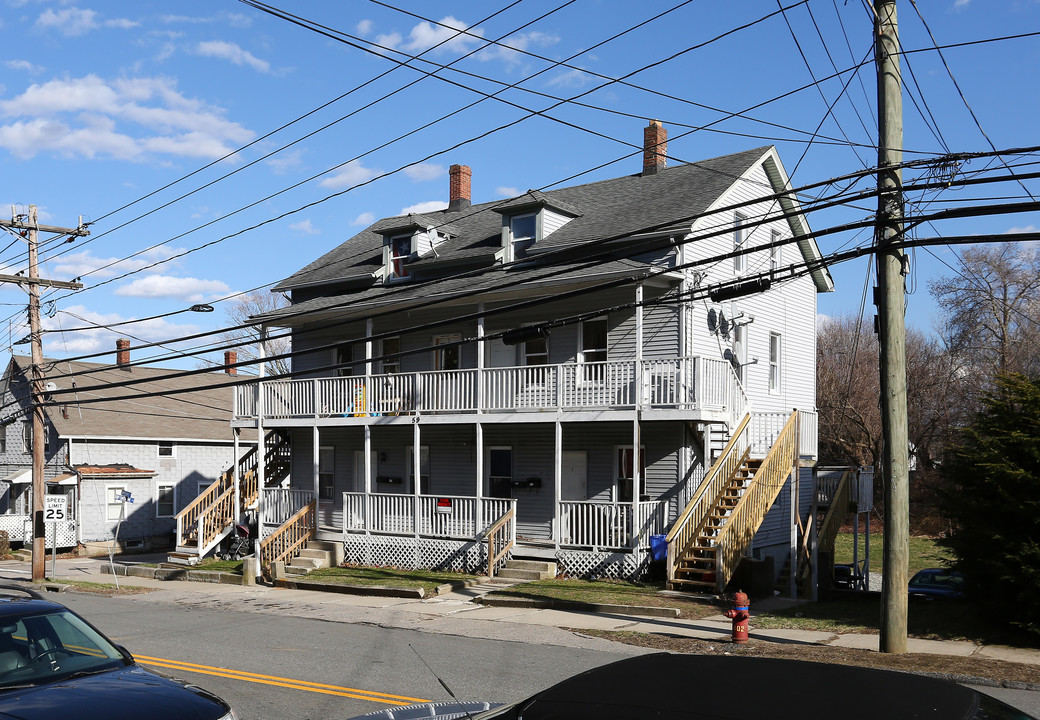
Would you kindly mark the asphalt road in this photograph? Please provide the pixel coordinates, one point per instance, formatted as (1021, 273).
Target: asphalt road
(352, 667)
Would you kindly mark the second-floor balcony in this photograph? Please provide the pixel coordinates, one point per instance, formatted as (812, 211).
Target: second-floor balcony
(698, 383)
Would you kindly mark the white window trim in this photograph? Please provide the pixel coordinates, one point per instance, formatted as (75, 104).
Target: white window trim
(388, 249)
(173, 503)
(423, 450)
(776, 363)
(741, 233)
(635, 459)
(331, 473)
(159, 446)
(396, 362)
(487, 460)
(347, 369)
(109, 487)
(774, 252)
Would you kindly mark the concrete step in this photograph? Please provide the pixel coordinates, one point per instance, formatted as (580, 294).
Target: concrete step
(324, 545)
(308, 563)
(517, 574)
(315, 553)
(182, 559)
(539, 565)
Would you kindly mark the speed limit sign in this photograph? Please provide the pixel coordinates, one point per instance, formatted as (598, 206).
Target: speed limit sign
(55, 508)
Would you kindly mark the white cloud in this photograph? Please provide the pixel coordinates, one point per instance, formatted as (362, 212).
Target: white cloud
(510, 50)
(349, 175)
(424, 36)
(285, 161)
(97, 339)
(183, 288)
(425, 207)
(961, 4)
(232, 53)
(365, 218)
(507, 192)
(363, 28)
(125, 118)
(1019, 230)
(573, 78)
(121, 23)
(422, 172)
(24, 65)
(70, 22)
(305, 226)
(81, 263)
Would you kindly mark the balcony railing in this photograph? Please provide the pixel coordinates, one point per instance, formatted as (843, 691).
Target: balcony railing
(679, 383)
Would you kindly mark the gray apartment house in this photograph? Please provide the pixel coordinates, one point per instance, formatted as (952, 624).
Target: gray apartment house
(162, 440)
(574, 373)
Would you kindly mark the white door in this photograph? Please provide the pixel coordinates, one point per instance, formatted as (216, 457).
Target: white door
(574, 477)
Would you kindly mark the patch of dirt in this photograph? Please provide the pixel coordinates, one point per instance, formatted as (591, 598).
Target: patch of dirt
(964, 667)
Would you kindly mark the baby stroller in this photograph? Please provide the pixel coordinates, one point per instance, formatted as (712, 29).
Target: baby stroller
(240, 544)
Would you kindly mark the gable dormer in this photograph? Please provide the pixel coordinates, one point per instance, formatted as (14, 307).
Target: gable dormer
(412, 237)
(527, 219)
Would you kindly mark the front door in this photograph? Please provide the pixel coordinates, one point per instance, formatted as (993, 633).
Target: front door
(574, 475)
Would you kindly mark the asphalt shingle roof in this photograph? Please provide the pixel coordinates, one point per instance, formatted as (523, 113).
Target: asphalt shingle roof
(607, 208)
(180, 412)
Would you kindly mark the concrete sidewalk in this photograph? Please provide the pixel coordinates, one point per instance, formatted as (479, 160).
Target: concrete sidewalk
(459, 605)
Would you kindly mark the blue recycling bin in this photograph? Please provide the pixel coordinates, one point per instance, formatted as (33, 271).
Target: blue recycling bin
(658, 548)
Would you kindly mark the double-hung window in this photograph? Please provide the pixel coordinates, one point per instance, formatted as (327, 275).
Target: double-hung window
(626, 472)
(114, 501)
(522, 233)
(166, 449)
(400, 249)
(165, 497)
(775, 360)
(390, 346)
(424, 468)
(740, 236)
(594, 350)
(774, 252)
(326, 473)
(500, 472)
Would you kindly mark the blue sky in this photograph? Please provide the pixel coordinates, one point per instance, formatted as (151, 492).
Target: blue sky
(104, 104)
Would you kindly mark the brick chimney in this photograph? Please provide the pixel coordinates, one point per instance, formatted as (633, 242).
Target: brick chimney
(230, 358)
(459, 191)
(655, 148)
(123, 353)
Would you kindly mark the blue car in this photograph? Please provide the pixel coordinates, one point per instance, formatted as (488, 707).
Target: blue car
(54, 664)
(937, 583)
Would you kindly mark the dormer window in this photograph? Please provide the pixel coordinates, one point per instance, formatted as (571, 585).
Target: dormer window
(523, 231)
(399, 250)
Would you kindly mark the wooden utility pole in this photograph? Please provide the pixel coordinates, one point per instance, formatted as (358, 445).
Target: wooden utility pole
(30, 231)
(891, 302)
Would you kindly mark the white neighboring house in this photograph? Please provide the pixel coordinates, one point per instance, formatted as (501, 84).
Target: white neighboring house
(163, 449)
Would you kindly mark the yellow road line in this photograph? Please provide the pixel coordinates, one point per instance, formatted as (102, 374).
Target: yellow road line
(279, 681)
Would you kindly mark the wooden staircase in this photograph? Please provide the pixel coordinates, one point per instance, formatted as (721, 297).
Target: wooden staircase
(718, 524)
(212, 516)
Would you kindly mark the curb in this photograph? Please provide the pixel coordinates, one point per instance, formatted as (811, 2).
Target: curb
(369, 590)
(161, 573)
(578, 606)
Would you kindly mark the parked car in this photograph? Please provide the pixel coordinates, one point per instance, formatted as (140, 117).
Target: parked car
(732, 687)
(54, 664)
(937, 583)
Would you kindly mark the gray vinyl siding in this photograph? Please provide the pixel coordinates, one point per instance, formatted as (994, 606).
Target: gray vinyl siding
(776, 527)
(533, 457)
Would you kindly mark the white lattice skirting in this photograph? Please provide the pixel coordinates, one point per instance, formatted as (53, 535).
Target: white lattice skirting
(471, 557)
(19, 527)
(623, 566)
(416, 553)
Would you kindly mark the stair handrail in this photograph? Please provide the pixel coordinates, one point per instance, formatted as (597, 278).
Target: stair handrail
(276, 466)
(684, 530)
(187, 519)
(499, 535)
(735, 536)
(288, 540)
(213, 521)
(836, 512)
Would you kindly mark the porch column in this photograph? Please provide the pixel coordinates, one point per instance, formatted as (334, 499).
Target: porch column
(234, 472)
(480, 360)
(479, 515)
(367, 500)
(368, 405)
(416, 482)
(315, 452)
(558, 485)
(261, 444)
(637, 474)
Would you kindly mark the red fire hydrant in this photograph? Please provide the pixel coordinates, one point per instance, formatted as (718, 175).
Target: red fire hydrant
(739, 614)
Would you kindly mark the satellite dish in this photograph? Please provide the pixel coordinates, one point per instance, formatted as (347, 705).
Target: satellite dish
(724, 324)
(50, 387)
(713, 321)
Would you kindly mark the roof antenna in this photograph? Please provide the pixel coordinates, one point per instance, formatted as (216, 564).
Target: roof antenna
(443, 684)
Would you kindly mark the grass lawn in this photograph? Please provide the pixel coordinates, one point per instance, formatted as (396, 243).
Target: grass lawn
(924, 552)
(428, 580)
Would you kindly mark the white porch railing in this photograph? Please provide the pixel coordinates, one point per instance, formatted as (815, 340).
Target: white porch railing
(609, 525)
(765, 428)
(280, 504)
(440, 516)
(679, 383)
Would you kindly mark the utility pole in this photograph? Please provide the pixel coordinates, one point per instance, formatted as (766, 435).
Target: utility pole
(891, 302)
(30, 231)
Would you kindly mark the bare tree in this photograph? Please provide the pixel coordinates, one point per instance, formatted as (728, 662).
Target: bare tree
(246, 335)
(990, 309)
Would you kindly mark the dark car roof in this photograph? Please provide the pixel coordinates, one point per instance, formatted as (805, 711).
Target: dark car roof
(716, 687)
(14, 603)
